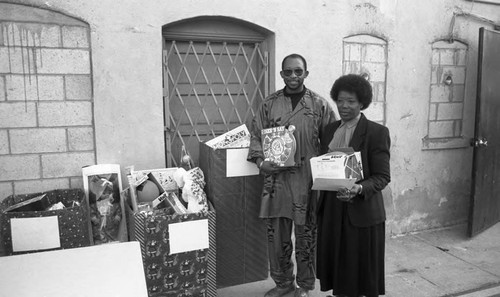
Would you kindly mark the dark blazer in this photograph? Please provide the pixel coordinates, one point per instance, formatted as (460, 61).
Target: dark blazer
(373, 141)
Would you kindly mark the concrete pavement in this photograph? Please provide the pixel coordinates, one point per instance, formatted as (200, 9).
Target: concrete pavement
(434, 263)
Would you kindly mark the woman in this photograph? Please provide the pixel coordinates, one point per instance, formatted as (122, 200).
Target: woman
(351, 222)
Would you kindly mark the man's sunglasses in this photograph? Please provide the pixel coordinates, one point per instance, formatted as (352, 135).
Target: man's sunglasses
(289, 72)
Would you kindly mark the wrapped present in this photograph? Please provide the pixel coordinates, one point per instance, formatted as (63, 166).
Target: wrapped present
(336, 170)
(57, 219)
(237, 137)
(178, 249)
(279, 145)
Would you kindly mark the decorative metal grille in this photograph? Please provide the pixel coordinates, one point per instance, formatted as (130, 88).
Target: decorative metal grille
(210, 87)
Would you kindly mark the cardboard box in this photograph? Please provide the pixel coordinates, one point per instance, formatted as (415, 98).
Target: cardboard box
(113, 269)
(102, 184)
(178, 251)
(241, 234)
(28, 230)
(336, 170)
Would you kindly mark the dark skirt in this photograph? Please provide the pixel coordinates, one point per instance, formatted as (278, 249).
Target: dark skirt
(350, 260)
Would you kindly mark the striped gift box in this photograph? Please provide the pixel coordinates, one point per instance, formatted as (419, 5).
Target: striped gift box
(189, 273)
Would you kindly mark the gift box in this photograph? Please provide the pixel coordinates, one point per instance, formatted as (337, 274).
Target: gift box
(102, 185)
(241, 234)
(279, 145)
(237, 137)
(336, 170)
(178, 251)
(28, 226)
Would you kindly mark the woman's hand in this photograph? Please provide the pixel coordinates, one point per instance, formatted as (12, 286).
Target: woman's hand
(346, 195)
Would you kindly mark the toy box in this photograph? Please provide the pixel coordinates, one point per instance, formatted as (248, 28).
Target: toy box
(57, 219)
(178, 250)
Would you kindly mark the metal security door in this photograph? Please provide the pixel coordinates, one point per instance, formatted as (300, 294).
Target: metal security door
(485, 200)
(210, 87)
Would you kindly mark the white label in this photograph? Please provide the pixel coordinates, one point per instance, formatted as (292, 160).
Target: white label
(30, 234)
(188, 236)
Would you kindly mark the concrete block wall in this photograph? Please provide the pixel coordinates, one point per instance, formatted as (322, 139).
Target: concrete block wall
(429, 189)
(46, 102)
(446, 99)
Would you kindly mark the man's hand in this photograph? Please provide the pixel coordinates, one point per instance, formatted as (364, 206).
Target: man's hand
(269, 167)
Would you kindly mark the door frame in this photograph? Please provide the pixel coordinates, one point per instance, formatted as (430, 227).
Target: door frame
(216, 29)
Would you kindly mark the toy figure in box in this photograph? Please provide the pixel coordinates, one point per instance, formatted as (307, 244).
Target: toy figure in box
(191, 183)
(105, 209)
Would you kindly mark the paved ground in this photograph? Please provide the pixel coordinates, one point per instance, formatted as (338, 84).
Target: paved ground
(428, 264)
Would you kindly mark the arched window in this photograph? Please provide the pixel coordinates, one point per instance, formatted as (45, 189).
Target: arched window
(446, 95)
(367, 55)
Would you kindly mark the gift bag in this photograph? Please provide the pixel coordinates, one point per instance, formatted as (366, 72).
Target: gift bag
(57, 219)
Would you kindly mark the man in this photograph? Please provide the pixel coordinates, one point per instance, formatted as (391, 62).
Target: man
(287, 199)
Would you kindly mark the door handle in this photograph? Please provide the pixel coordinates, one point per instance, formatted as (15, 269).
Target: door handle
(479, 142)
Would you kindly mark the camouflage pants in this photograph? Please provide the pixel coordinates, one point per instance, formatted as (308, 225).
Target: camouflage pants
(280, 249)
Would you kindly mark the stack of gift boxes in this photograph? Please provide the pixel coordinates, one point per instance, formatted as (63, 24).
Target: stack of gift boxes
(170, 212)
(165, 210)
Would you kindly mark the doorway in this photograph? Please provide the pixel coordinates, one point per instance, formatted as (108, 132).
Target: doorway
(215, 74)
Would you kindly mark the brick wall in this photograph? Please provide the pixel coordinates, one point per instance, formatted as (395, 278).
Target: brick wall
(46, 104)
